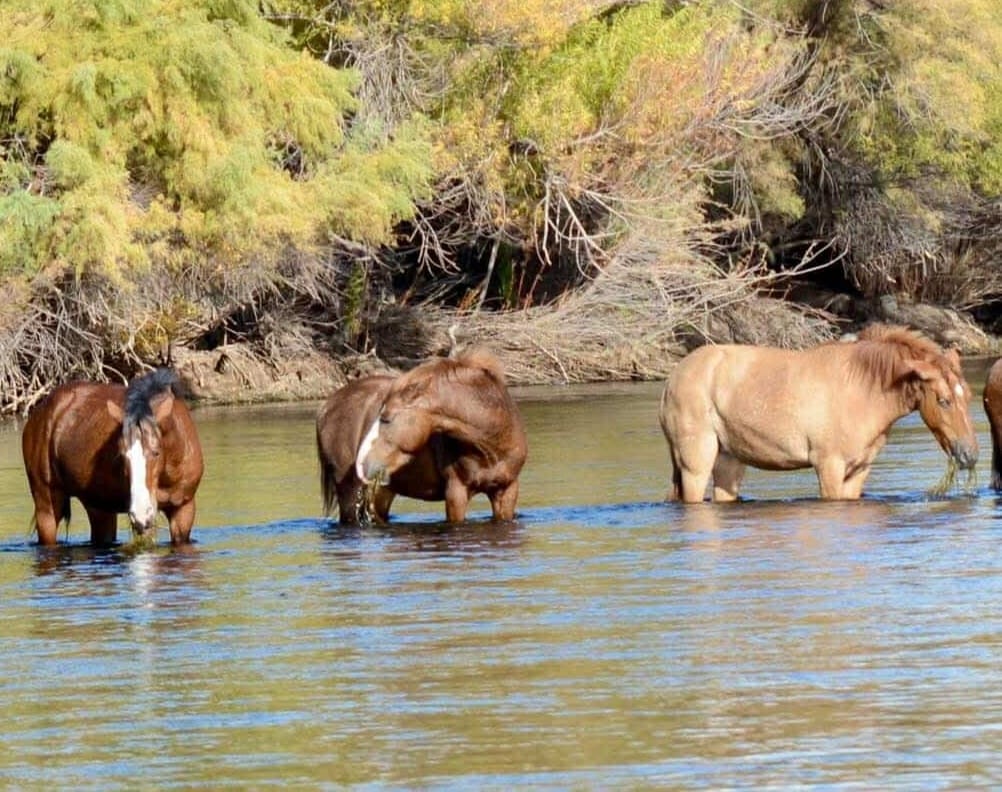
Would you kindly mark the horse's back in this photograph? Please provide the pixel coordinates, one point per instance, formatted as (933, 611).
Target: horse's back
(70, 444)
(738, 377)
(71, 422)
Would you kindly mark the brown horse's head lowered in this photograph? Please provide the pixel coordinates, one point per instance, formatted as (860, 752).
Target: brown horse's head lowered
(933, 383)
(149, 402)
(462, 404)
(118, 450)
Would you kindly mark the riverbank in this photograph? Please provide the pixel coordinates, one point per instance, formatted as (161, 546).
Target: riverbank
(535, 350)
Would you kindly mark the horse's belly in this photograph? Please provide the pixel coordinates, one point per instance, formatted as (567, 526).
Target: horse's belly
(765, 450)
(420, 479)
(99, 488)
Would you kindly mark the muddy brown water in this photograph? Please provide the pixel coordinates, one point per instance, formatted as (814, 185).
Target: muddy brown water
(604, 640)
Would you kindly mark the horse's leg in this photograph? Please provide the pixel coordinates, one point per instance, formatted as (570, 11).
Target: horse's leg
(103, 527)
(381, 501)
(503, 502)
(675, 488)
(728, 474)
(831, 478)
(675, 491)
(457, 498)
(349, 502)
(49, 512)
(696, 457)
(853, 487)
(180, 521)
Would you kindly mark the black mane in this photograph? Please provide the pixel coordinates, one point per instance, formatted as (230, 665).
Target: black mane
(143, 390)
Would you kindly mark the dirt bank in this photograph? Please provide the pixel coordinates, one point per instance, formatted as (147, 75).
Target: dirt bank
(236, 373)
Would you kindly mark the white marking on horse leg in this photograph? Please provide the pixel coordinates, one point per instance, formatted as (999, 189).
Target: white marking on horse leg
(364, 449)
(142, 508)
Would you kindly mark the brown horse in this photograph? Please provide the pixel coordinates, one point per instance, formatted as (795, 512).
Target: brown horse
(341, 425)
(830, 407)
(993, 409)
(451, 425)
(118, 450)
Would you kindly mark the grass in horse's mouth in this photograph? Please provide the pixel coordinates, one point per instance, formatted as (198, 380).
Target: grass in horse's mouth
(946, 483)
(367, 495)
(140, 542)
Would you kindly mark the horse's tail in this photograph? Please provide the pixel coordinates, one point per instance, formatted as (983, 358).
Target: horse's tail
(328, 477)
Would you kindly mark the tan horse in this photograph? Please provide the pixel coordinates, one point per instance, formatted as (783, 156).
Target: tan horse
(993, 409)
(464, 402)
(117, 450)
(829, 407)
(341, 425)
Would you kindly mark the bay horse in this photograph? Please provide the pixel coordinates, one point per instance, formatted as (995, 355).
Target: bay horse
(829, 407)
(116, 449)
(446, 430)
(992, 399)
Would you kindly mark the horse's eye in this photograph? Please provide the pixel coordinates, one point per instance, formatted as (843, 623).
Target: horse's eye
(944, 403)
(383, 418)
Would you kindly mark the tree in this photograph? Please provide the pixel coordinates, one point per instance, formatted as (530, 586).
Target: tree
(141, 137)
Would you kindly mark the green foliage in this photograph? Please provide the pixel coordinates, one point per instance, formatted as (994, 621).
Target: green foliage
(25, 221)
(161, 124)
(931, 100)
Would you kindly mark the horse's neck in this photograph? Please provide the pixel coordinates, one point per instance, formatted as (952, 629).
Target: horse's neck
(895, 404)
(468, 421)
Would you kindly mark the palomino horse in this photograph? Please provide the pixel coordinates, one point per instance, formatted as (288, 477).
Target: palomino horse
(450, 425)
(118, 450)
(830, 407)
(993, 409)
(341, 425)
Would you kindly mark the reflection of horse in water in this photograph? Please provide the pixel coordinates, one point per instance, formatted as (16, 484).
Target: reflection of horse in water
(993, 409)
(118, 450)
(830, 407)
(445, 430)
(433, 538)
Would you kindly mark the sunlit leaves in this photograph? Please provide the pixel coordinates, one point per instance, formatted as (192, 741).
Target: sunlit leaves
(201, 108)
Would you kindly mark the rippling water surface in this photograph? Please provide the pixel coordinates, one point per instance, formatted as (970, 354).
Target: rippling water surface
(604, 640)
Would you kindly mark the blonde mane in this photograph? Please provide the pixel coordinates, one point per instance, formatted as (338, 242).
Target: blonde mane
(881, 350)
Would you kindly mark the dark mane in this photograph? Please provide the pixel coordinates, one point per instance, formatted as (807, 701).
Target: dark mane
(881, 349)
(143, 390)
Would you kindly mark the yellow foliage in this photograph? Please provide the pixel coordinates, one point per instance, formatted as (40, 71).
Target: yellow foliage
(231, 131)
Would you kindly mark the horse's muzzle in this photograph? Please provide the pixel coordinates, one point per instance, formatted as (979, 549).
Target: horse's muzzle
(965, 454)
(142, 523)
(370, 471)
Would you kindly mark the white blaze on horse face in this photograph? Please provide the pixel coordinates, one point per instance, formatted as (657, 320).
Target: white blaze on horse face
(364, 449)
(142, 509)
(959, 390)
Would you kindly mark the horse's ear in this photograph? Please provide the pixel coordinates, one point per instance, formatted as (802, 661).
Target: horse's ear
(115, 410)
(922, 370)
(162, 408)
(953, 357)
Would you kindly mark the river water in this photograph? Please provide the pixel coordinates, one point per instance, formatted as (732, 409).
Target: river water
(604, 640)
